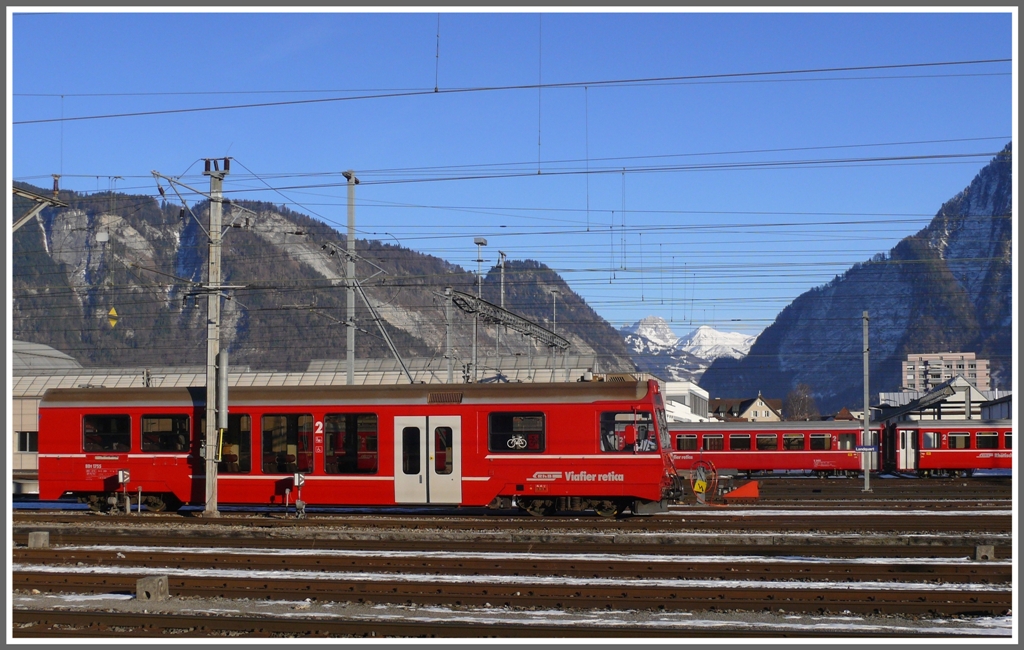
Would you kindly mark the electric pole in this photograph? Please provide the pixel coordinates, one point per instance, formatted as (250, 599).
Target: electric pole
(554, 327)
(867, 412)
(448, 330)
(497, 327)
(350, 280)
(480, 242)
(213, 328)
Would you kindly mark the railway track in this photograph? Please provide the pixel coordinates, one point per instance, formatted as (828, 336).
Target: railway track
(533, 591)
(711, 522)
(68, 624)
(892, 490)
(812, 561)
(681, 546)
(573, 565)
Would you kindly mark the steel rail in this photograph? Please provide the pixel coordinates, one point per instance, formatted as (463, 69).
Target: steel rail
(681, 520)
(947, 546)
(32, 623)
(581, 566)
(770, 597)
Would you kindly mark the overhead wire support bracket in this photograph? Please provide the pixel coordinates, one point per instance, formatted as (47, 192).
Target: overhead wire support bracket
(42, 202)
(373, 312)
(383, 331)
(490, 312)
(354, 257)
(228, 202)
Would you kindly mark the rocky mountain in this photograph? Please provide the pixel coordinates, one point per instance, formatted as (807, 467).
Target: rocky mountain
(656, 349)
(948, 287)
(145, 260)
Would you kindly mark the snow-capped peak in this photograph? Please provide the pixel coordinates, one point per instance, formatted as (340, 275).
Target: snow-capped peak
(653, 328)
(655, 348)
(708, 343)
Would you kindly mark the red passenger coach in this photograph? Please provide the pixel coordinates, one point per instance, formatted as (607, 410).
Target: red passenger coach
(825, 448)
(950, 447)
(544, 447)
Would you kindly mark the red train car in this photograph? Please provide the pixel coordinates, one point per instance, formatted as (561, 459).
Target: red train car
(825, 448)
(546, 447)
(949, 447)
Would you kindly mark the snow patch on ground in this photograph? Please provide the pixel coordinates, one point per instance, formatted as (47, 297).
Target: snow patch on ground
(363, 576)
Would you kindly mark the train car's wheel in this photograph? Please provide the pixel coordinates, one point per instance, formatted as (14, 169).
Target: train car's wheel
(539, 507)
(162, 502)
(969, 473)
(93, 501)
(607, 508)
(155, 504)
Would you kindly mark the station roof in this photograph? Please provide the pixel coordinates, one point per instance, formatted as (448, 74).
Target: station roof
(38, 357)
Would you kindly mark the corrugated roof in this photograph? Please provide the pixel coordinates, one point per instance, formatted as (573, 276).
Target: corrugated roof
(321, 373)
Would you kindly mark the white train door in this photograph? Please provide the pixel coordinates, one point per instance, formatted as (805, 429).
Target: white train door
(428, 459)
(907, 456)
(444, 472)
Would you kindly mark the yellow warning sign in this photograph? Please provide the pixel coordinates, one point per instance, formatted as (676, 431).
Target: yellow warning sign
(112, 317)
(700, 487)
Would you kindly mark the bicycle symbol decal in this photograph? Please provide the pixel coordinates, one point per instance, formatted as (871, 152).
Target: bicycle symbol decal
(517, 441)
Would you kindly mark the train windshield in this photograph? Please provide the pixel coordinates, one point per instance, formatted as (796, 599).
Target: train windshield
(663, 435)
(613, 431)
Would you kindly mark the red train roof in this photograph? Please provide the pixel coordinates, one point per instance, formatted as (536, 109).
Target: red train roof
(413, 394)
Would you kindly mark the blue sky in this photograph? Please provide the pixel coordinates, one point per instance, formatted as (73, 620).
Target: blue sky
(725, 247)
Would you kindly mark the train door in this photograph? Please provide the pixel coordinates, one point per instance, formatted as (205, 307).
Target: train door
(428, 459)
(907, 455)
(871, 438)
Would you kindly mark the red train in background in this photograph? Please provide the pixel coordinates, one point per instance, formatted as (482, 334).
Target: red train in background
(543, 447)
(948, 447)
(923, 448)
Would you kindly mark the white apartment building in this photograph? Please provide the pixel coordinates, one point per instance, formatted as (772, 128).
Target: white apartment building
(922, 372)
(685, 401)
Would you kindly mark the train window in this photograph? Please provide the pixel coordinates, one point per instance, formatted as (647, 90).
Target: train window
(686, 442)
(739, 442)
(443, 450)
(236, 445)
(613, 431)
(767, 441)
(107, 433)
(821, 441)
(793, 441)
(714, 442)
(959, 440)
(1008, 439)
(666, 440)
(847, 440)
(350, 443)
(516, 432)
(287, 443)
(411, 450)
(987, 440)
(165, 432)
(930, 440)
